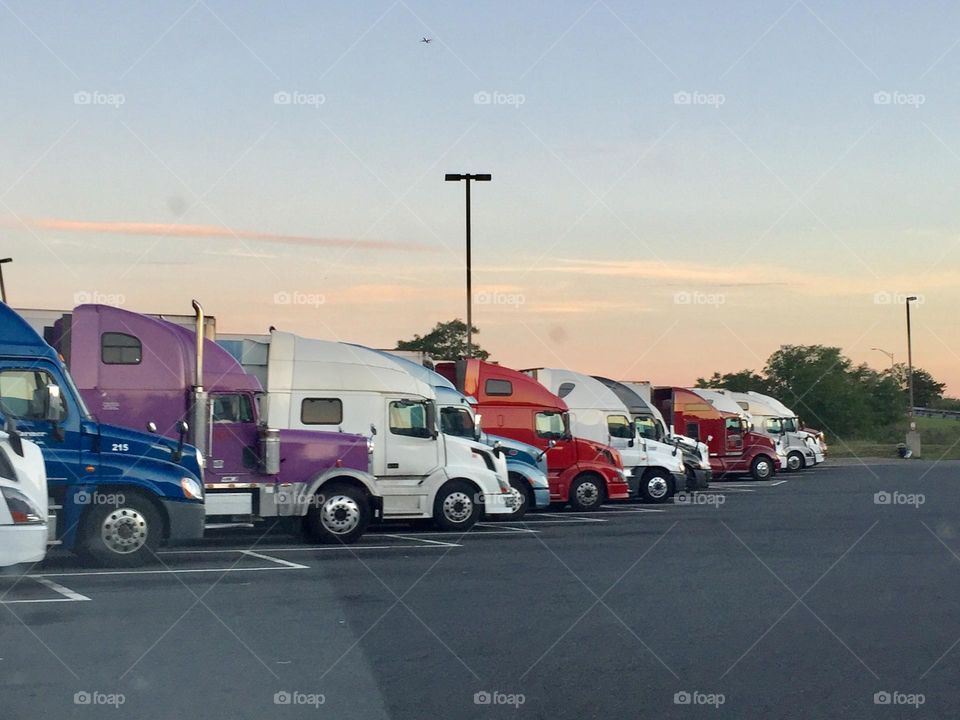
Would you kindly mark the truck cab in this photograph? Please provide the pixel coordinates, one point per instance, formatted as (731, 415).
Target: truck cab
(734, 449)
(792, 424)
(24, 528)
(652, 430)
(143, 371)
(655, 472)
(770, 421)
(526, 465)
(118, 493)
(421, 473)
(582, 473)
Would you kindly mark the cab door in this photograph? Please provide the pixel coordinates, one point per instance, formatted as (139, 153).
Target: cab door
(23, 397)
(412, 446)
(733, 430)
(234, 438)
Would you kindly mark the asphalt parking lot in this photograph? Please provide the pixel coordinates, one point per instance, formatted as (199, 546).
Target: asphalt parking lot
(810, 596)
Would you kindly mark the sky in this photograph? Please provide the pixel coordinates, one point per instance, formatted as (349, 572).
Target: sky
(678, 188)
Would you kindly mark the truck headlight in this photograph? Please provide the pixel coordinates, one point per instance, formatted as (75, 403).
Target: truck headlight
(21, 509)
(191, 489)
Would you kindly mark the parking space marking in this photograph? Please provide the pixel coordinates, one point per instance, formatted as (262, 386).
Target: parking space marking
(423, 540)
(285, 563)
(565, 518)
(68, 594)
(512, 530)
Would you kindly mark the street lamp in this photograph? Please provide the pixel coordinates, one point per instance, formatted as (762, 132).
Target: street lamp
(457, 177)
(3, 289)
(888, 354)
(910, 299)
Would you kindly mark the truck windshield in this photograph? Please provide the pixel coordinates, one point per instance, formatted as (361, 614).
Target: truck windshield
(790, 424)
(774, 426)
(456, 421)
(647, 428)
(552, 425)
(409, 418)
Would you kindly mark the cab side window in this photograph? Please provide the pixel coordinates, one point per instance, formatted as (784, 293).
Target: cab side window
(232, 408)
(619, 427)
(693, 431)
(23, 394)
(120, 349)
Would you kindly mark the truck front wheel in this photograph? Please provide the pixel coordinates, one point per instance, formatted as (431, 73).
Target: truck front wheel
(338, 514)
(456, 507)
(586, 493)
(795, 461)
(126, 532)
(656, 487)
(762, 468)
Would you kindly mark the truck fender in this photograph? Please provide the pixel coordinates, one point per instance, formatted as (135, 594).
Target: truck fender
(364, 480)
(533, 478)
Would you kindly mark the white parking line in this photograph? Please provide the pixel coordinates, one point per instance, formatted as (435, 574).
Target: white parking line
(566, 518)
(423, 540)
(68, 594)
(285, 563)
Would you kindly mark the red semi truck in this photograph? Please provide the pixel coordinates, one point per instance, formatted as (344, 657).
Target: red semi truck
(734, 450)
(582, 473)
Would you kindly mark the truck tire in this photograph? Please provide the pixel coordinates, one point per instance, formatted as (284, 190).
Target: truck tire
(522, 495)
(455, 507)
(762, 468)
(587, 493)
(796, 461)
(656, 486)
(126, 533)
(339, 514)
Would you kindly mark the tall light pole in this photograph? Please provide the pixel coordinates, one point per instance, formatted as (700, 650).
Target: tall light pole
(910, 299)
(457, 177)
(3, 288)
(888, 354)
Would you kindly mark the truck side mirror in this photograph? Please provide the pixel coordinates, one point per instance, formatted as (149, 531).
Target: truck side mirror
(550, 446)
(478, 428)
(432, 420)
(152, 427)
(16, 442)
(373, 429)
(709, 438)
(53, 404)
(182, 430)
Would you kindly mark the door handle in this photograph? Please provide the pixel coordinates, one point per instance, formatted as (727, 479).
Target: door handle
(393, 466)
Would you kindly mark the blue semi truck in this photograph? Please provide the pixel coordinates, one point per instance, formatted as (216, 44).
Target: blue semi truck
(118, 493)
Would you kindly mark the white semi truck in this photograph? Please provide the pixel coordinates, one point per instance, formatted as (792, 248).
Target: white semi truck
(24, 525)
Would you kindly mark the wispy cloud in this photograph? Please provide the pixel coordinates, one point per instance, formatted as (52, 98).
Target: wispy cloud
(181, 230)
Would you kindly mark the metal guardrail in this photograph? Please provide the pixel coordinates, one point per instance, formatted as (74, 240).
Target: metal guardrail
(934, 412)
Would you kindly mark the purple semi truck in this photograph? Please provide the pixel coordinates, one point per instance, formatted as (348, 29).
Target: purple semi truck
(138, 371)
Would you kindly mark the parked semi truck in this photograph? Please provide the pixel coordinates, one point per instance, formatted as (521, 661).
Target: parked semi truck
(24, 527)
(734, 449)
(526, 465)
(791, 423)
(117, 493)
(142, 371)
(651, 428)
(655, 472)
(422, 473)
(582, 473)
(800, 449)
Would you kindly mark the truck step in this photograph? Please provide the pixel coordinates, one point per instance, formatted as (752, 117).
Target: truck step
(224, 526)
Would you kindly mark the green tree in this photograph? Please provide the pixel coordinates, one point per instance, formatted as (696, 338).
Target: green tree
(447, 341)
(926, 390)
(742, 381)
